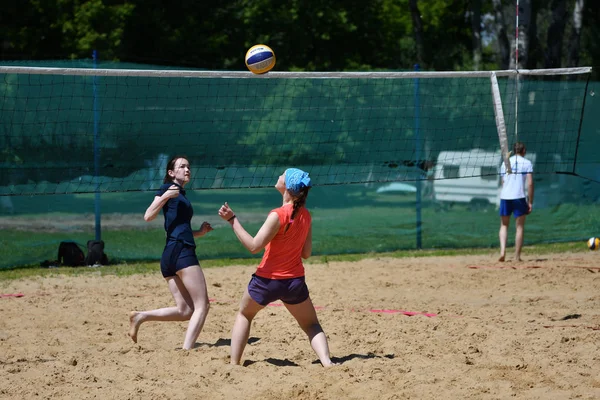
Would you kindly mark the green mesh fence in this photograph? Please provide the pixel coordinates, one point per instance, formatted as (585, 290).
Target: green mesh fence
(76, 145)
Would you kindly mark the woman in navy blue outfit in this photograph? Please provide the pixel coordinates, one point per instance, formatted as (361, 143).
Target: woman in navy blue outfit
(179, 264)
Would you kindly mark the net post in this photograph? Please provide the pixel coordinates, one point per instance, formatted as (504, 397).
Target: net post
(98, 225)
(418, 160)
(500, 124)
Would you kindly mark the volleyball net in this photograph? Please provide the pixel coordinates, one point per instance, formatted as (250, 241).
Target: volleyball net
(70, 130)
(74, 131)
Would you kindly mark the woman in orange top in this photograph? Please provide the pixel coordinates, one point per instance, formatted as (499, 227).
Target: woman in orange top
(286, 236)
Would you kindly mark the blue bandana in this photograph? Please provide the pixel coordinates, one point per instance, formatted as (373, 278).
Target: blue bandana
(296, 180)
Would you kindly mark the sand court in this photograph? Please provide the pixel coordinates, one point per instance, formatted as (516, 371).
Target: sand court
(427, 328)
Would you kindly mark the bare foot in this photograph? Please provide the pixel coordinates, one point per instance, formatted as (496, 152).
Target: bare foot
(135, 320)
(501, 259)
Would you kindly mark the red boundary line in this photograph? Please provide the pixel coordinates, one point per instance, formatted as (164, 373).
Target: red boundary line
(592, 269)
(504, 266)
(373, 310)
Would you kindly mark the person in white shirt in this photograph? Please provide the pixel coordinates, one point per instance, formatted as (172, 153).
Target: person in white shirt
(514, 199)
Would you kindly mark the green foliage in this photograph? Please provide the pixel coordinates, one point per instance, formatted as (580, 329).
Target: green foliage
(67, 28)
(308, 35)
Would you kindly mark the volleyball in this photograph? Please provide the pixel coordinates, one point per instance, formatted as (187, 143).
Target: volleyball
(593, 243)
(260, 59)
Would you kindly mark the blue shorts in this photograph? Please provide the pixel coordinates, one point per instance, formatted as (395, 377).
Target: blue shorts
(177, 256)
(265, 290)
(517, 207)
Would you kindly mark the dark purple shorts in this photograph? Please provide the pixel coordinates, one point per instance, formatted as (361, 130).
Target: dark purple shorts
(265, 291)
(177, 256)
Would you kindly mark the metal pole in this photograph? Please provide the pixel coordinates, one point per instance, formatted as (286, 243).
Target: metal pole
(96, 150)
(418, 160)
(517, 75)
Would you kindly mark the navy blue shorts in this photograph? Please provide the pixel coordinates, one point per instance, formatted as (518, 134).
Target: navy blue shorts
(265, 290)
(177, 256)
(517, 207)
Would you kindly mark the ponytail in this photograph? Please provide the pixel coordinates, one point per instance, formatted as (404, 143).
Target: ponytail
(299, 202)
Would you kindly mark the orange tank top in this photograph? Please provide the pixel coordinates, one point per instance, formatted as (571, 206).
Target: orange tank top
(282, 258)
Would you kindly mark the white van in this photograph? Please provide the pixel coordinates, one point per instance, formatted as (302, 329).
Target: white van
(469, 177)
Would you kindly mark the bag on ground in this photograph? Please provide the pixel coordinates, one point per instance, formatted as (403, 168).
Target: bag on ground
(70, 254)
(95, 253)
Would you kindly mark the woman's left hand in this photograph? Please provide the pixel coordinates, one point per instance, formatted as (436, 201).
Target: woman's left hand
(226, 212)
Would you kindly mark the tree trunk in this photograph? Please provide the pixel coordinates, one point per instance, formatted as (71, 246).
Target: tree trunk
(476, 33)
(556, 32)
(534, 53)
(417, 29)
(575, 38)
(501, 35)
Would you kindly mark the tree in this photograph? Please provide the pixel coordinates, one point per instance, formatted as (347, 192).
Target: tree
(42, 29)
(476, 32)
(503, 43)
(533, 51)
(555, 34)
(575, 37)
(417, 30)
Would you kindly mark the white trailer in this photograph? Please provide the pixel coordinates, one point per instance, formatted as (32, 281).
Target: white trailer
(469, 177)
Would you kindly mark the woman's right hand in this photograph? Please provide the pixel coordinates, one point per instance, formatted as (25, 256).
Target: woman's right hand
(171, 192)
(160, 201)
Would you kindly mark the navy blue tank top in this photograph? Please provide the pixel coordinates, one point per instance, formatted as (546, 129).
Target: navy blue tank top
(178, 214)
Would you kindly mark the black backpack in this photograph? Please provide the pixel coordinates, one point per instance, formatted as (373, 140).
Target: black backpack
(95, 253)
(69, 253)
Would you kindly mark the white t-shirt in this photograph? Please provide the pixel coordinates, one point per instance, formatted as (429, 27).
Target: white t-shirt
(514, 184)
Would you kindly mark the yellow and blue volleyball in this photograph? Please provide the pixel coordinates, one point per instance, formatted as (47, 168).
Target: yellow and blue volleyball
(593, 243)
(260, 59)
